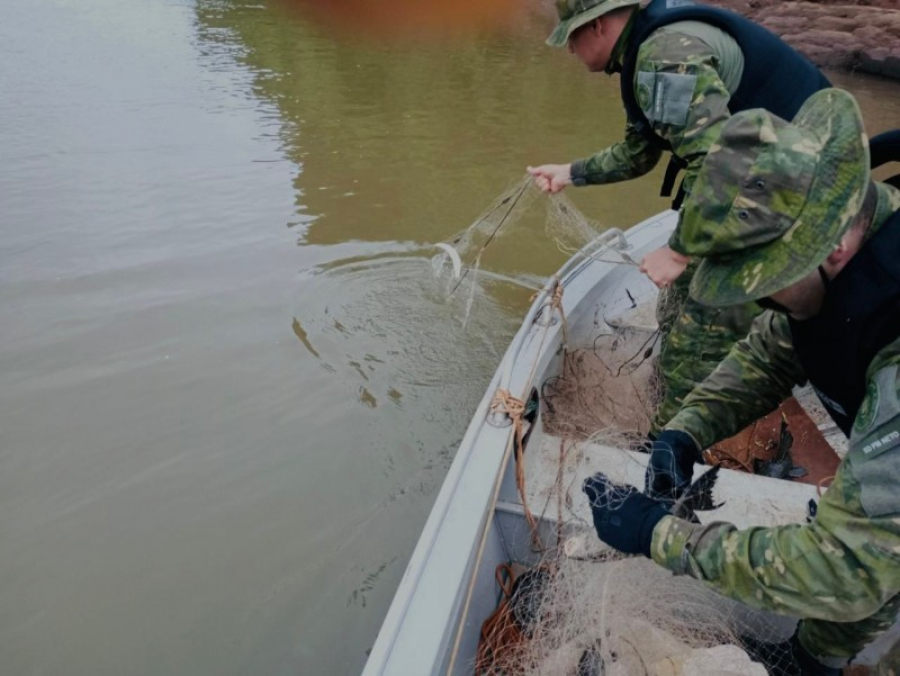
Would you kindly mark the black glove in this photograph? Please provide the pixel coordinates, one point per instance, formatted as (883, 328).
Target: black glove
(623, 516)
(671, 465)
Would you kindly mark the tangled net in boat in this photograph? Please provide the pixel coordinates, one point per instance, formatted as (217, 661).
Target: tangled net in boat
(578, 608)
(581, 609)
(613, 616)
(607, 392)
(597, 612)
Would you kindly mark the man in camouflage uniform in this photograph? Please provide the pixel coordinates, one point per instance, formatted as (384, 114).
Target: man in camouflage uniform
(685, 70)
(786, 214)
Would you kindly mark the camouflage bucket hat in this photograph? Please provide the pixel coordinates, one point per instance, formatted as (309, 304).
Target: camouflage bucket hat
(575, 13)
(772, 199)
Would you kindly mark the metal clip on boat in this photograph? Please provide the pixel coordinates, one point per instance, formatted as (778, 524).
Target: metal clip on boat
(499, 419)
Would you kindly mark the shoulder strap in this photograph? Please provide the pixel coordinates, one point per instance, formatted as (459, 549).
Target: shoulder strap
(885, 148)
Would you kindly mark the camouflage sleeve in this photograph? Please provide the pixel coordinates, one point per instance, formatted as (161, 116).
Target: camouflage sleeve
(752, 380)
(683, 96)
(843, 566)
(622, 161)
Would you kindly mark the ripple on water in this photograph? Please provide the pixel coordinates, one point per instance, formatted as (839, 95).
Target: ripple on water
(389, 322)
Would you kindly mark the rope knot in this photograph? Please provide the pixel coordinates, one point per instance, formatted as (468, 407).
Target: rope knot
(504, 402)
(556, 299)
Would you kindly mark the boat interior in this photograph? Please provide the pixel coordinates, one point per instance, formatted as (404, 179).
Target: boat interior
(512, 500)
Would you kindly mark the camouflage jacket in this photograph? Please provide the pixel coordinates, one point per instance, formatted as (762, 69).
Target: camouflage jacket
(844, 565)
(686, 48)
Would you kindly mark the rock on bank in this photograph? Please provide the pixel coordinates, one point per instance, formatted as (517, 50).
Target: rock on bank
(862, 35)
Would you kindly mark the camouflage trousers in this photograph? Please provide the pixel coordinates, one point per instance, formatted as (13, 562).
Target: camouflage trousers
(694, 339)
(836, 643)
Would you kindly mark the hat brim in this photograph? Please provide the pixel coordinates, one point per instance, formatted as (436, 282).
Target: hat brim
(834, 199)
(560, 35)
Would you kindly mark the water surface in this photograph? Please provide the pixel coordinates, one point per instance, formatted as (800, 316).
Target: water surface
(230, 384)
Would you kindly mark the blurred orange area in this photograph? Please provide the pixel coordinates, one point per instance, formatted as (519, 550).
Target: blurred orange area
(412, 16)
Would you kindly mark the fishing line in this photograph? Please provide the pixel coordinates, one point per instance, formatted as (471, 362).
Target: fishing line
(484, 246)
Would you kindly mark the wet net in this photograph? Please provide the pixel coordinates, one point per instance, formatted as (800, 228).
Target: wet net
(585, 610)
(577, 608)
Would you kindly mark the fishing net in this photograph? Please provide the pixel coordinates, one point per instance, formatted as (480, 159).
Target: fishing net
(516, 213)
(582, 609)
(592, 611)
(606, 393)
(602, 612)
(612, 616)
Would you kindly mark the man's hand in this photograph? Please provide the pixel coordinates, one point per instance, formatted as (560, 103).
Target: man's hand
(671, 465)
(664, 266)
(623, 516)
(551, 177)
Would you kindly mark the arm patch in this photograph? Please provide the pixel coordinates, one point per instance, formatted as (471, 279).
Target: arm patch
(875, 445)
(665, 98)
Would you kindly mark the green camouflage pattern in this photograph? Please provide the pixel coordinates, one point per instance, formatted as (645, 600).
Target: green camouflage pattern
(753, 379)
(621, 161)
(841, 573)
(773, 198)
(714, 60)
(575, 13)
(758, 373)
(697, 338)
(678, 50)
(675, 49)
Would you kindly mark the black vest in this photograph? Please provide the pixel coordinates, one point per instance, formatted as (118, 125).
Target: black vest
(860, 315)
(775, 76)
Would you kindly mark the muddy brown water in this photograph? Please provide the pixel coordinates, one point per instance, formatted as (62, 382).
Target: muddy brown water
(230, 382)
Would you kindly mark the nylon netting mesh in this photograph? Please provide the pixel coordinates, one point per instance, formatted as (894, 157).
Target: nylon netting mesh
(585, 610)
(582, 609)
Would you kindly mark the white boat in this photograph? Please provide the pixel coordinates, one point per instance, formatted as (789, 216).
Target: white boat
(478, 519)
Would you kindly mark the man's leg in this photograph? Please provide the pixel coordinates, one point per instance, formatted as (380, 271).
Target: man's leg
(836, 643)
(695, 338)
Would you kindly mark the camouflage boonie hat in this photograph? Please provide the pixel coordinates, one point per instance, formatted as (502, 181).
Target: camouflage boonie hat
(772, 199)
(575, 13)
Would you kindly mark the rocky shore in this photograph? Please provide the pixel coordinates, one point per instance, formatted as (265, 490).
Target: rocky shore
(861, 36)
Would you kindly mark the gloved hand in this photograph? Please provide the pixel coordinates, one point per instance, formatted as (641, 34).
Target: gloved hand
(671, 465)
(623, 516)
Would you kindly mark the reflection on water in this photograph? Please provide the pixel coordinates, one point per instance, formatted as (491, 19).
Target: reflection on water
(231, 382)
(389, 19)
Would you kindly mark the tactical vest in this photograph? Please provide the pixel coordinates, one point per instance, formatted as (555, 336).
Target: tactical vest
(860, 315)
(775, 76)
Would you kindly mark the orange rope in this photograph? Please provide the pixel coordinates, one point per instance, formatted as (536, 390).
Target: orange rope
(504, 402)
(556, 303)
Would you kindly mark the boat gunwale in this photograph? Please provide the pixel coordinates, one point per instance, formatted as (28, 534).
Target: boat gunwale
(488, 462)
